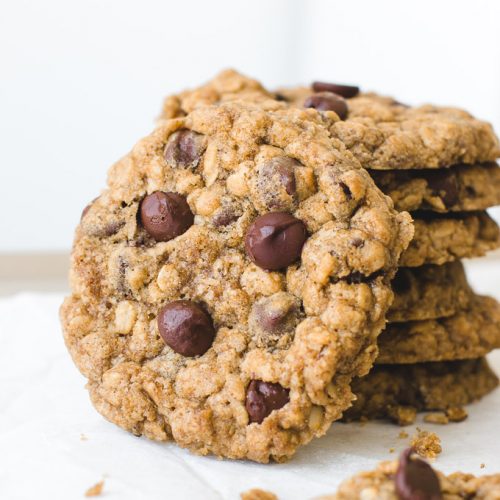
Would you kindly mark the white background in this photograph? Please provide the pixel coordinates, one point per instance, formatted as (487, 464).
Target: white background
(81, 81)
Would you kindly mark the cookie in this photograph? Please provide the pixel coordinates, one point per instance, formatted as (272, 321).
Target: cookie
(445, 238)
(420, 387)
(471, 333)
(231, 281)
(429, 292)
(413, 478)
(462, 188)
(381, 132)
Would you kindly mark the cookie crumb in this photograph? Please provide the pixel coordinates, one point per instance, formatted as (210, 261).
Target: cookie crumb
(96, 490)
(403, 415)
(426, 444)
(403, 435)
(456, 414)
(391, 450)
(258, 494)
(482, 466)
(436, 418)
(83, 437)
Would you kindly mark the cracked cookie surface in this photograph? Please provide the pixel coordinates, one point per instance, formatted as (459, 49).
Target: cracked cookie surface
(470, 333)
(231, 281)
(420, 387)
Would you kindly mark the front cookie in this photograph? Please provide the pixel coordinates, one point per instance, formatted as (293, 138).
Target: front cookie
(231, 281)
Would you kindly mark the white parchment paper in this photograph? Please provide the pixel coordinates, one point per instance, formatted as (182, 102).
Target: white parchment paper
(54, 445)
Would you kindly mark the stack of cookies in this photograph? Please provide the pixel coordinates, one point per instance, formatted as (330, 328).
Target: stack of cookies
(439, 164)
(432, 351)
(230, 284)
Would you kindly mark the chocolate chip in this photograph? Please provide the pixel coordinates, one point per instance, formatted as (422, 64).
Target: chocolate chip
(280, 97)
(224, 217)
(275, 240)
(275, 185)
(415, 479)
(342, 90)
(273, 314)
(186, 328)
(165, 215)
(444, 184)
(264, 397)
(184, 149)
(327, 101)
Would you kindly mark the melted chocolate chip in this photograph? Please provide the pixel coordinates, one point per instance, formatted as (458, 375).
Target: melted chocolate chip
(184, 149)
(273, 314)
(224, 217)
(275, 184)
(165, 215)
(275, 240)
(264, 397)
(186, 328)
(415, 479)
(328, 101)
(444, 184)
(342, 90)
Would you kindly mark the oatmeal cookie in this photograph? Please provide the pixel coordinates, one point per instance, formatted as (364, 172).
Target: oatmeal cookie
(462, 188)
(445, 238)
(231, 281)
(471, 333)
(429, 292)
(381, 132)
(421, 387)
(413, 478)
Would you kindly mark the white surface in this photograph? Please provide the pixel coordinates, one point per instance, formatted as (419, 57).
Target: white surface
(82, 81)
(44, 409)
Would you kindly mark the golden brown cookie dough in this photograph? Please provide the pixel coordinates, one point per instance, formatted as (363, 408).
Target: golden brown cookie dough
(412, 476)
(429, 292)
(471, 333)
(462, 188)
(198, 312)
(420, 387)
(381, 132)
(439, 239)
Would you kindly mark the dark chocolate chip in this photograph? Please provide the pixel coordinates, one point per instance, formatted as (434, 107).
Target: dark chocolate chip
(264, 397)
(186, 328)
(275, 240)
(280, 97)
(184, 149)
(327, 101)
(342, 90)
(224, 217)
(165, 215)
(273, 313)
(415, 479)
(444, 184)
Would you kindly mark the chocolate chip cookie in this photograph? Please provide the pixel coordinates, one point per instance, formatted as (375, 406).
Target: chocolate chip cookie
(381, 132)
(429, 292)
(412, 478)
(470, 333)
(420, 387)
(231, 281)
(463, 188)
(445, 238)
